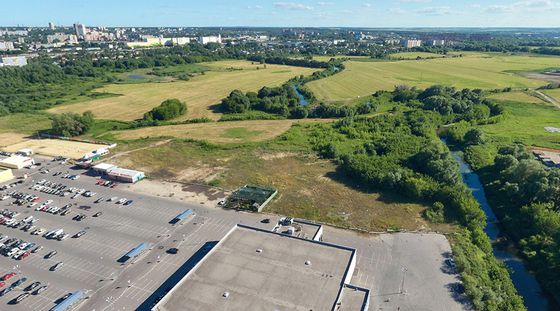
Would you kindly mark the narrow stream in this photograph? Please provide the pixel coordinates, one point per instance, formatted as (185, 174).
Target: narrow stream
(302, 100)
(525, 283)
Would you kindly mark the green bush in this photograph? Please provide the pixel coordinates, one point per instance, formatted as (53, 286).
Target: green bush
(169, 109)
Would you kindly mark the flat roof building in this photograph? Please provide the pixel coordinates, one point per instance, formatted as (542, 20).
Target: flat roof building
(102, 168)
(16, 162)
(256, 269)
(126, 175)
(6, 174)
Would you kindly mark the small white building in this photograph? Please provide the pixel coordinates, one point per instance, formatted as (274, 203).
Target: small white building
(125, 175)
(103, 168)
(17, 162)
(25, 152)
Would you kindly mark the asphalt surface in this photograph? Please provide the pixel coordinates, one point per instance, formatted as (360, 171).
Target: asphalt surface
(405, 271)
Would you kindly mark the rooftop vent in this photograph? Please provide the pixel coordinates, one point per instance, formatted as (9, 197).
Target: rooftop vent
(308, 263)
(225, 294)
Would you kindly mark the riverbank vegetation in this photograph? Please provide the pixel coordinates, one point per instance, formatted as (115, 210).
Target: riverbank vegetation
(400, 152)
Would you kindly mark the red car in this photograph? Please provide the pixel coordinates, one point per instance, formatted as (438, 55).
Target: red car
(113, 185)
(2, 284)
(24, 255)
(8, 276)
(36, 200)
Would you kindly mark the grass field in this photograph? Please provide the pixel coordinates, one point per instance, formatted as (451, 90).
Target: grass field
(516, 96)
(199, 93)
(216, 132)
(24, 123)
(525, 122)
(486, 71)
(309, 187)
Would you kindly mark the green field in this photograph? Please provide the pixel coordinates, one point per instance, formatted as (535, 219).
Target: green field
(516, 97)
(200, 92)
(486, 71)
(524, 123)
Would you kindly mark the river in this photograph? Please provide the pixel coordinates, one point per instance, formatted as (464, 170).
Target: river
(302, 100)
(525, 282)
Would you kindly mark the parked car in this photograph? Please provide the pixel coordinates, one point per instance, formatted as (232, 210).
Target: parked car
(40, 290)
(8, 276)
(79, 234)
(50, 254)
(21, 297)
(32, 286)
(57, 266)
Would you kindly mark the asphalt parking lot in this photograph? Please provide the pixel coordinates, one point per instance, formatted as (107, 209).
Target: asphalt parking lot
(91, 261)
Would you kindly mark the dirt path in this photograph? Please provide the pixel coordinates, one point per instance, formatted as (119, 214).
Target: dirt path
(548, 98)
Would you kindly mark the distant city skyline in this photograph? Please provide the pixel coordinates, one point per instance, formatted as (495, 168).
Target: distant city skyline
(350, 13)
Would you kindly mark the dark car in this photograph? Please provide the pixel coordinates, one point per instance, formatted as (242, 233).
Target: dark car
(173, 250)
(266, 221)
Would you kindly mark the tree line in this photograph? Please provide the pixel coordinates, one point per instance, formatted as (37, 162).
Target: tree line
(400, 152)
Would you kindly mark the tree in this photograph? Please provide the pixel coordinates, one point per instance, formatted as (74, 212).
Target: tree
(169, 109)
(236, 102)
(72, 124)
(474, 137)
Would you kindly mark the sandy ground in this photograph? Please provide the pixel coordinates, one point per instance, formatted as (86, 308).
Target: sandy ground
(7, 139)
(54, 147)
(191, 193)
(543, 76)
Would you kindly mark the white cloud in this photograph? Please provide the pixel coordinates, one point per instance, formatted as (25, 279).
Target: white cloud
(255, 7)
(292, 6)
(436, 10)
(323, 3)
(367, 5)
(524, 6)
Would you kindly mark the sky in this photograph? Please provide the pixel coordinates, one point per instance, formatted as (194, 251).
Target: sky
(284, 13)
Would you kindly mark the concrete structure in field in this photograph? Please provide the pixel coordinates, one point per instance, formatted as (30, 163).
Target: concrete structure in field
(17, 61)
(17, 162)
(411, 43)
(6, 174)
(256, 269)
(6, 46)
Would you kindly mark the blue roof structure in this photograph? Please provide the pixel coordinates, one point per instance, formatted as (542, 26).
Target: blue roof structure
(135, 251)
(66, 303)
(184, 214)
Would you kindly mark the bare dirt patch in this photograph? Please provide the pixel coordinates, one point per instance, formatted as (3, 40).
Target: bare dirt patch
(554, 78)
(55, 147)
